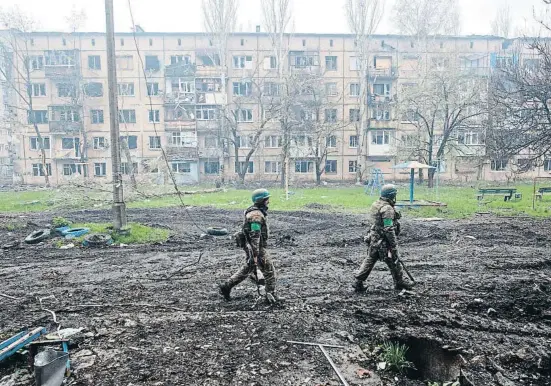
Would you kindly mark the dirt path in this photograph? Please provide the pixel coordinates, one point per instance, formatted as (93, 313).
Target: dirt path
(485, 297)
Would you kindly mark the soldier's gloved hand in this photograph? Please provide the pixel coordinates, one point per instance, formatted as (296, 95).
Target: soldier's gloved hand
(367, 239)
(270, 298)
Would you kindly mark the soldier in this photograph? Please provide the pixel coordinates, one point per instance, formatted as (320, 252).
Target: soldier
(382, 240)
(253, 238)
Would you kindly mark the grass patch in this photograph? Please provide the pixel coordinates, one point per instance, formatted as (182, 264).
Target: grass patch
(139, 234)
(394, 355)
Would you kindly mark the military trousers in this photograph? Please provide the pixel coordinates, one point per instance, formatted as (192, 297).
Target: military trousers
(380, 253)
(265, 265)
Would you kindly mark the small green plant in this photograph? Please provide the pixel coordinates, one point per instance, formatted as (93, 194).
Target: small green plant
(59, 222)
(394, 355)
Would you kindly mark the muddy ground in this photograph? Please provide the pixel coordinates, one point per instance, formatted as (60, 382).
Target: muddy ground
(152, 317)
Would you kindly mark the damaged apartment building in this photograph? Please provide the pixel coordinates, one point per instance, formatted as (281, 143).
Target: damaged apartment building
(178, 98)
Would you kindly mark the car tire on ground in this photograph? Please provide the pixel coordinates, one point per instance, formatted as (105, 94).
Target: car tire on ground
(216, 231)
(37, 236)
(97, 241)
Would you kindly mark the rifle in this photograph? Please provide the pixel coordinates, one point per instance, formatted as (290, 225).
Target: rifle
(251, 258)
(398, 260)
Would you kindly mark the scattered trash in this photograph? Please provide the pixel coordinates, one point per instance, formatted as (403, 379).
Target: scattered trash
(18, 341)
(14, 244)
(381, 365)
(60, 230)
(363, 373)
(97, 240)
(37, 236)
(68, 246)
(64, 333)
(75, 232)
(49, 367)
(470, 237)
(216, 231)
(491, 311)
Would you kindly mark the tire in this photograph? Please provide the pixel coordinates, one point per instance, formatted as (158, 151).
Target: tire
(97, 241)
(37, 236)
(75, 232)
(215, 231)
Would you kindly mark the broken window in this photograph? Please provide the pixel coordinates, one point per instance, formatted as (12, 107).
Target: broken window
(272, 167)
(36, 62)
(127, 116)
(331, 63)
(93, 89)
(100, 143)
(301, 59)
(182, 86)
(37, 89)
(331, 89)
(212, 167)
(94, 62)
(96, 116)
(499, 165)
(70, 169)
(243, 115)
(381, 89)
(243, 62)
(271, 89)
(304, 166)
(242, 88)
(66, 90)
(127, 168)
(152, 89)
(37, 116)
(125, 89)
(152, 63)
(354, 115)
(242, 165)
(155, 142)
(331, 141)
(124, 62)
(209, 60)
(36, 142)
(380, 137)
(208, 84)
(69, 143)
(330, 166)
(185, 59)
(380, 113)
(178, 113)
(131, 140)
(38, 170)
(67, 115)
(181, 167)
(331, 115)
(62, 58)
(272, 141)
(206, 113)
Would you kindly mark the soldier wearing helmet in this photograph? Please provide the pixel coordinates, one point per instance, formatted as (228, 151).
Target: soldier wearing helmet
(254, 238)
(382, 240)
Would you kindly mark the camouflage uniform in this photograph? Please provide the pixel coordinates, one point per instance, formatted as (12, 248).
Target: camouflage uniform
(382, 238)
(255, 229)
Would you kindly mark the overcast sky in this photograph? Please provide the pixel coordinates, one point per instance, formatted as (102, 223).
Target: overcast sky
(309, 15)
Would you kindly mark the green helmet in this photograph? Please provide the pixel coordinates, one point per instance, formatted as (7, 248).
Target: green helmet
(260, 195)
(389, 191)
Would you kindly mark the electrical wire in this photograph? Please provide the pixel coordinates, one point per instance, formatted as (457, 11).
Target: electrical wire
(169, 169)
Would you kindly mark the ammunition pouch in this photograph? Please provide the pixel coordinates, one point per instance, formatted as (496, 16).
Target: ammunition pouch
(240, 239)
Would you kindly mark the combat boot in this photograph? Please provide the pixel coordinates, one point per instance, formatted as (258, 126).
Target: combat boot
(225, 290)
(359, 286)
(273, 298)
(404, 285)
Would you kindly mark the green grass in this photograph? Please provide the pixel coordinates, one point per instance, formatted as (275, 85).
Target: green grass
(139, 234)
(461, 201)
(394, 355)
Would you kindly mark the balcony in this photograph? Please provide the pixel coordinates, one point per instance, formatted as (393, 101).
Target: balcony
(211, 98)
(390, 72)
(65, 127)
(180, 70)
(179, 125)
(178, 97)
(61, 72)
(180, 153)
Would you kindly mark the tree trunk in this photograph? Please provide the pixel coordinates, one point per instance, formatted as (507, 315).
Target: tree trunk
(128, 157)
(318, 174)
(431, 173)
(42, 152)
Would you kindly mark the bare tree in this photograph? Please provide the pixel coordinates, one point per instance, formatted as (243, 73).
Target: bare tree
(277, 19)
(363, 18)
(17, 71)
(220, 20)
(447, 104)
(423, 18)
(502, 23)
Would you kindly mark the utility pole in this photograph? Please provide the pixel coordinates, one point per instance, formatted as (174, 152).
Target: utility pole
(119, 207)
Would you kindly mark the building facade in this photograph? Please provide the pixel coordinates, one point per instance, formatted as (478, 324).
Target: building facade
(172, 88)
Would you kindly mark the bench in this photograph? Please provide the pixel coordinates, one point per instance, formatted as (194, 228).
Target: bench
(507, 193)
(539, 194)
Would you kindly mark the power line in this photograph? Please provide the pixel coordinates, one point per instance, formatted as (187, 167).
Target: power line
(169, 169)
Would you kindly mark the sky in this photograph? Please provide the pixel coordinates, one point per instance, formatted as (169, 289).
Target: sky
(310, 16)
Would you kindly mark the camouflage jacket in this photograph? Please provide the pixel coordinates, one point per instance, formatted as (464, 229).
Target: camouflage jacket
(384, 220)
(255, 229)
